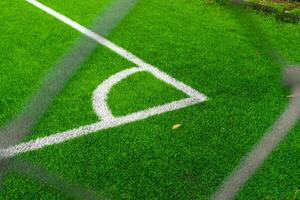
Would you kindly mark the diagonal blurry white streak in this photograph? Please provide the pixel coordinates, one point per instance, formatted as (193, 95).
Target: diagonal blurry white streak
(53, 84)
(256, 157)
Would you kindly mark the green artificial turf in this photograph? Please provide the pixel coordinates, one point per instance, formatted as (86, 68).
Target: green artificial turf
(202, 45)
(145, 91)
(80, 11)
(27, 51)
(279, 176)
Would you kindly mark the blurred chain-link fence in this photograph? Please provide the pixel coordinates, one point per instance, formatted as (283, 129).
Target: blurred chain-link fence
(19, 128)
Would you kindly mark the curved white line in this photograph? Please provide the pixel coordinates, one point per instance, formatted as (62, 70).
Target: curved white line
(99, 98)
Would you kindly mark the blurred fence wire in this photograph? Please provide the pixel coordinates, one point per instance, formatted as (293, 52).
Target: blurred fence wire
(21, 127)
(53, 84)
(255, 158)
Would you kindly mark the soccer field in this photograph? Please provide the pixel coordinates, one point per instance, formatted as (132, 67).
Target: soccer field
(157, 99)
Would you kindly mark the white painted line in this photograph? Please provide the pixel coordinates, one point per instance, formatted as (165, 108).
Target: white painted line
(122, 52)
(88, 129)
(100, 95)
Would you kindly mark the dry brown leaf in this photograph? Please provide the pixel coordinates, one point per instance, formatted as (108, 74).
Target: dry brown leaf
(176, 126)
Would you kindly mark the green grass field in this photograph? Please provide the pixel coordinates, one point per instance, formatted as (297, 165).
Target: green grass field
(202, 45)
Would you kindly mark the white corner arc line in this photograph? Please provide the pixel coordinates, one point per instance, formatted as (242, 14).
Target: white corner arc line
(100, 94)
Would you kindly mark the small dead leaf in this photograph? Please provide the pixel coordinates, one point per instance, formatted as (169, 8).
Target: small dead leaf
(176, 126)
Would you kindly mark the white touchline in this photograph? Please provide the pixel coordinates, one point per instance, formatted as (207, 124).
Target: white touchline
(99, 98)
(122, 52)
